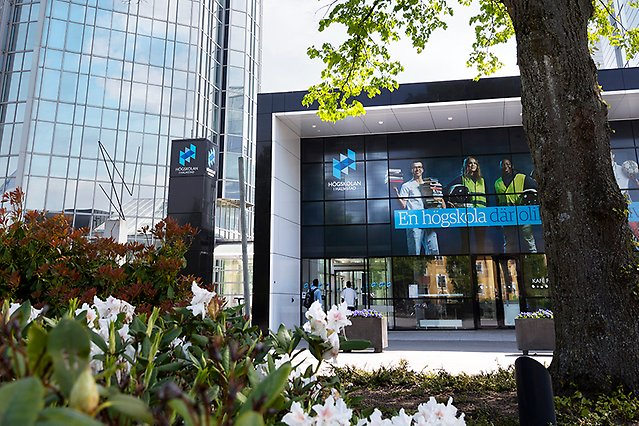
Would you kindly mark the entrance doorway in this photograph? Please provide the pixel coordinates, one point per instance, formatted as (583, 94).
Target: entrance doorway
(497, 281)
(343, 271)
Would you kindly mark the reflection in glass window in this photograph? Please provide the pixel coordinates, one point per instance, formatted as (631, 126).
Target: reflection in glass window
(36, 190)
(50, 84)
(378, 211)
(536, 284)
(62, 139)
(433, 292)
(59, 167)
(379, 178)
(43, 137)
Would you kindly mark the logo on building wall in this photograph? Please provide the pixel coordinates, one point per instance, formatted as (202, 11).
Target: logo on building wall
(187, 155)
(211, 158)
(344, 163)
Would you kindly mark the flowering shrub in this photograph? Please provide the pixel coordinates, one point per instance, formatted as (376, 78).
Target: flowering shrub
(204, 364)
(335, 412)
(540, 313)
(367, 313)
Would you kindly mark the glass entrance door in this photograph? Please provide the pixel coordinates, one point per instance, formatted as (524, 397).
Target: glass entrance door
(497, 291)
(343, 271)
(508, 277)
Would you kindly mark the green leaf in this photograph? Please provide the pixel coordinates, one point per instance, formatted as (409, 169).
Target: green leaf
(137, 326)
(250, 418)
(267, 392)
(37, 349)
(69, 346)
(20, 402)
(199, 340)
(172, 366)
(182, 410)
(62, 416)
(171, 335)
(354, 344)
(131, 407)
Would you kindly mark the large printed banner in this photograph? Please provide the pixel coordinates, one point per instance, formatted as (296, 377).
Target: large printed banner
(479, 216)
(467, 216)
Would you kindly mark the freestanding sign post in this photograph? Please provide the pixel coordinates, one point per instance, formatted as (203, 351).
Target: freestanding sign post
(192, 195)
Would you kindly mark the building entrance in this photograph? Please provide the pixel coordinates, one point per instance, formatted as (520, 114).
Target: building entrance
(343, 271)
(496, 280)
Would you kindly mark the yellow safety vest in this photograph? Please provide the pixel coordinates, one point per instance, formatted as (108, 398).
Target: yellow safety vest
(477, 191)
(510, 195)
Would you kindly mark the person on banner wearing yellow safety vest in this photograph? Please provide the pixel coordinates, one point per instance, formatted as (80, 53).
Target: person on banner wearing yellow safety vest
(515, 189)
(468, 189)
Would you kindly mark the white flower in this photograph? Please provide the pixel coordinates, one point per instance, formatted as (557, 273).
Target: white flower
(32, 315)
(434, 413)
(124, 333)
(110, 308)
(402, 419)
(333, 412)
(201, 299)
(182, 344)
(316, 311)
(316, 327)
(377, 420)
(92, 315)
(338, 317)
(333, 339)
(297, 416)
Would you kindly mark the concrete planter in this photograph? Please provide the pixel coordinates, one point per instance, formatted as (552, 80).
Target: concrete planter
(535, 334)
(373, 329)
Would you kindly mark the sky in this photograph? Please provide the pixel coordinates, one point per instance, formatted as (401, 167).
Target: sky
(289, 27)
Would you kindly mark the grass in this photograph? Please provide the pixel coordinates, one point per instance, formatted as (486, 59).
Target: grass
(485, 399)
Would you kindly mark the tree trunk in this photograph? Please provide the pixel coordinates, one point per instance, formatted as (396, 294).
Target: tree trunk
(592, 264)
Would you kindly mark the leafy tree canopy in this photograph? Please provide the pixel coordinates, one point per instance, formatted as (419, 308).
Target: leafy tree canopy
(363, 64)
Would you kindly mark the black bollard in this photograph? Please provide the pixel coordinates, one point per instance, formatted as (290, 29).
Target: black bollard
(534, 393)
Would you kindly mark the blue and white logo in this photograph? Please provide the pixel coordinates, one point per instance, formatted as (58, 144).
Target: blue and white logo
(187, 155)
(345, 162)
(211, 158)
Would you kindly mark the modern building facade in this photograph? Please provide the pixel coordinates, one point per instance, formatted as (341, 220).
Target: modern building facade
(625, 18)
(93, 92)
(381, 200)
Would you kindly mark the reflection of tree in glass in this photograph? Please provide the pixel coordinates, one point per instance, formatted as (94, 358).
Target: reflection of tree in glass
(536, 275)
(377, 274)
(458, 270)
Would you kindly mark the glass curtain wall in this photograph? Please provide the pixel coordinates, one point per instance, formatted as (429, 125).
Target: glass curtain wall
(240, 80)
(447, 222)
(93, 93)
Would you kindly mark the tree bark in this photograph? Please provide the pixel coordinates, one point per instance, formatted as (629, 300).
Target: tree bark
(592, 264)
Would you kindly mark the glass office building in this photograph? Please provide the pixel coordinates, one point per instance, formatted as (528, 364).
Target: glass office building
(626, 18)
(93, 92)
(384, 201)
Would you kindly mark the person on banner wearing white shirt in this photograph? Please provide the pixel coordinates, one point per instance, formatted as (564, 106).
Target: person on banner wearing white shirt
(419, 194)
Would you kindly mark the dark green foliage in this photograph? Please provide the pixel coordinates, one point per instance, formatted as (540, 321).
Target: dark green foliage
(619, 408)
(44, 260)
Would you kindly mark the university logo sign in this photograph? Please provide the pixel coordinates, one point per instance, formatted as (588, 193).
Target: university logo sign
(187, 155)
(345, 162)
(211, 158)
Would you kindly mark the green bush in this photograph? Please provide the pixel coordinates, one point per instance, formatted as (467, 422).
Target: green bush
(45, 260)
(104, 364)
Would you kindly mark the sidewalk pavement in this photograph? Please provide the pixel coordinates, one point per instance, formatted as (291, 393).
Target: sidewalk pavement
(468, 351)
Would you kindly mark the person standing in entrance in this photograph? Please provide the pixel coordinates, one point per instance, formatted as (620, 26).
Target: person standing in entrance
(317, 293)
(419, 194)
(515, 189)
(349, 295)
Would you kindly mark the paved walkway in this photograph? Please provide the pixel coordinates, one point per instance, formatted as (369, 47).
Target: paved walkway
(471, 351)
